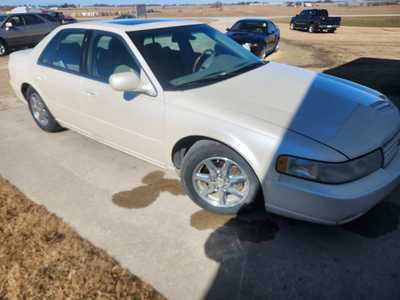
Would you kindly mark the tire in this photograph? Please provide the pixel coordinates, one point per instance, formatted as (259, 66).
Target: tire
(3, 48)
(40, 112)
(219, 191)
(312, 28)
(331, 30)
(259, 50)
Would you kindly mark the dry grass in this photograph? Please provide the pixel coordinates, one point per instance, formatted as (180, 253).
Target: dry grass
(43, 258)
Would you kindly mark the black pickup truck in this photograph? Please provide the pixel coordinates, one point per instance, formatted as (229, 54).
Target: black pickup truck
(315, 20)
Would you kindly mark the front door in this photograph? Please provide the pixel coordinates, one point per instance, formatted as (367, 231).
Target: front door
(15, 35)
(132, 122)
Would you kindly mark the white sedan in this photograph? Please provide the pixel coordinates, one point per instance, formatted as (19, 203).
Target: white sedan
(180, 94)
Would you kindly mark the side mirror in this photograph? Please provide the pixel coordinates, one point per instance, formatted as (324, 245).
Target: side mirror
(8, 25)
(228, 29)
(130, 82)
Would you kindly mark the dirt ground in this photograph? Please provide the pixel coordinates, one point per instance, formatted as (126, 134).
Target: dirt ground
(369, 56)
(43, 258)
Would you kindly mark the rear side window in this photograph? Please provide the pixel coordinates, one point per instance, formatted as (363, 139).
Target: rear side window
(64, 51)
(48, 17)
(109, 56)
(32, 20)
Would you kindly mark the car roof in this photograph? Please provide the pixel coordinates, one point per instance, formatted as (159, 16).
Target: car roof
(131, 24)
(255, 19)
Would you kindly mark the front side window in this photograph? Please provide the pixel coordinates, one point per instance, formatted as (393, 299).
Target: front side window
(109, 56)
(236, 26)
(16, 21)
(64, 51)
(32, 20)
(271, 28)
(190, 56)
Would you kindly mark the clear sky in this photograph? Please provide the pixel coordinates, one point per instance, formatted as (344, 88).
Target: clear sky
(88, 2)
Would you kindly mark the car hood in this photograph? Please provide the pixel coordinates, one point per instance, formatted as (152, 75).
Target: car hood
(348, 117)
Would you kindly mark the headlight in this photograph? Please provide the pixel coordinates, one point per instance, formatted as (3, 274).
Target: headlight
(330, 172)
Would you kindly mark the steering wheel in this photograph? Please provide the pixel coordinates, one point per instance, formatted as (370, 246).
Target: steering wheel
(202, 59)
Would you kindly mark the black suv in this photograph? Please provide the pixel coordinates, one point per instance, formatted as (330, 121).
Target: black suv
(315, 20)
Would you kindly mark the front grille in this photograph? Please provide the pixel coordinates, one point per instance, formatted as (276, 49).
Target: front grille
(390, 149)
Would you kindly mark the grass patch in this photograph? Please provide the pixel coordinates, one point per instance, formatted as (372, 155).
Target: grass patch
(43, 258)
(371, 21)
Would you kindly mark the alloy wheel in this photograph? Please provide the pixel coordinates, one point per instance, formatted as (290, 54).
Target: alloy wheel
(221, 182)
(39, 110)
(2, 49)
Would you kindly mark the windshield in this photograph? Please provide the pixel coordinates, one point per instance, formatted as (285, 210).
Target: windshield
(191, 56)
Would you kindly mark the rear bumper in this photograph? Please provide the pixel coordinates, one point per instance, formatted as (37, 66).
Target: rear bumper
(330, 204)
(326, 26)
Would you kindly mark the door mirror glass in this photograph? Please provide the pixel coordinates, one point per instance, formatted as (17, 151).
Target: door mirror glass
(130, 82)
(8, 25)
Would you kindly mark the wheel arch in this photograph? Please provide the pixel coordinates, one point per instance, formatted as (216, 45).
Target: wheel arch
(182, 146)
(24, 89)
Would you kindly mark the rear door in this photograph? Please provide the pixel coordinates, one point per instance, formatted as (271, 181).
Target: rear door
(58, 76)
(37, 28)
(16, 35)
(301, 19)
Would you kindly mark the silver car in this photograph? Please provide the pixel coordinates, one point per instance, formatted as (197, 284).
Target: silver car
(23, 29)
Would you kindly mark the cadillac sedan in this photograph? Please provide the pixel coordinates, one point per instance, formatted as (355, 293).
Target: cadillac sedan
(180, 94)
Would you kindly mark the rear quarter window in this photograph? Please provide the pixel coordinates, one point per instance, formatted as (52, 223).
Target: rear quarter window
(64, 51)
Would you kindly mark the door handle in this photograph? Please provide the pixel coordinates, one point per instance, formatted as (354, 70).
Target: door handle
(90, 94)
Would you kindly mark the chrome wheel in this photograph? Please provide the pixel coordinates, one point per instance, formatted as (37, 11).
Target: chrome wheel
(291, 26)
(39, 110)
(220, 182)
(2, 49)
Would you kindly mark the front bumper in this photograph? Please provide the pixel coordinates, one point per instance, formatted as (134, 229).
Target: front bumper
(330, 204)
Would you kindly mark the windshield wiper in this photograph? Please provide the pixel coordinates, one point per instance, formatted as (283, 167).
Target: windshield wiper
(217, 76)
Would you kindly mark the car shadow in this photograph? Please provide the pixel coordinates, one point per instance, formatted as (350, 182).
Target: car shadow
(264, 256)
(377, 73)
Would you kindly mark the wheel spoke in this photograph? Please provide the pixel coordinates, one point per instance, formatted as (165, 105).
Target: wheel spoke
(236, 179)
(225, 170)
(208, 190)
(203, 177)
(211, 168)
(221, 197)
(235, 192)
